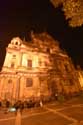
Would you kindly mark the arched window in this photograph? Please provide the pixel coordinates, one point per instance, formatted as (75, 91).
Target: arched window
(16, 43)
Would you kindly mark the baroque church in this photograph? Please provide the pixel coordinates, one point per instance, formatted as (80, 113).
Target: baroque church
(36, 69)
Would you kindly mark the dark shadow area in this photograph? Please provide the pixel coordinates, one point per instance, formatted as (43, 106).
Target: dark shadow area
(20, 17)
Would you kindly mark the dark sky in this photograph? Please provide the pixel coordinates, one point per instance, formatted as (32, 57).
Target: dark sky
(18, 17)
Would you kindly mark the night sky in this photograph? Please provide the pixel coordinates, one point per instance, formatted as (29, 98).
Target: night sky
(18, 18)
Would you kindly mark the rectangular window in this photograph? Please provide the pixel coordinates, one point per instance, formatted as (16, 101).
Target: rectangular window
(40, 63)
(46, 63)
(12, 65)
(71, 82)
(29, 82)
(9, 81)
(29, 63)
(14, 56)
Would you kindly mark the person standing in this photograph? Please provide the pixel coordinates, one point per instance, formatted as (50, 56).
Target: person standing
(41, 103)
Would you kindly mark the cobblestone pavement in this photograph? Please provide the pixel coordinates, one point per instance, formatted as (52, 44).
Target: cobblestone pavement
(67, 113)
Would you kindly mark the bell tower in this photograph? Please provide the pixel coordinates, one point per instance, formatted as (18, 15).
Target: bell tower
(13, 55)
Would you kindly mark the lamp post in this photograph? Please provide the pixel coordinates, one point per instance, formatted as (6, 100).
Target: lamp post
(18, 113)
(18, 117)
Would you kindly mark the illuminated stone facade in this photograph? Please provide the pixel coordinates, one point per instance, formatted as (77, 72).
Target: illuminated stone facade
(36, 69)
(80, 76)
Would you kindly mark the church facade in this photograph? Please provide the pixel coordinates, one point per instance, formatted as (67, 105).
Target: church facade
(36, 69)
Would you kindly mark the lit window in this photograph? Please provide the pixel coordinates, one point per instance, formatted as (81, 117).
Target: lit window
(29, 63)
(29, 82)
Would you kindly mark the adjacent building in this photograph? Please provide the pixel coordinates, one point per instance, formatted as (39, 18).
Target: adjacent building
(36, 69)
(80, 76)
